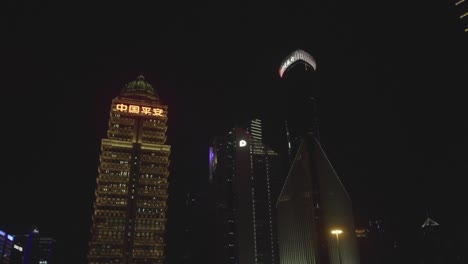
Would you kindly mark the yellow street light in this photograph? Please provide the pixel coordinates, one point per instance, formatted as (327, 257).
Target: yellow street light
(338, 232)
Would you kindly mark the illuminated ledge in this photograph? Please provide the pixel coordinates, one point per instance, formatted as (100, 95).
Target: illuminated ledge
(128, 144)
(116, 143)
(155, 147)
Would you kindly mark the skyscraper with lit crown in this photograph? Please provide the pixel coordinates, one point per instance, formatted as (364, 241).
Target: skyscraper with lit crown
(128, 223)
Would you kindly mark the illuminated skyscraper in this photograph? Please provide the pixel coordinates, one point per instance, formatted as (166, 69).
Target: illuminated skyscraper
(315, 214)
(132, 186)
(242, 171)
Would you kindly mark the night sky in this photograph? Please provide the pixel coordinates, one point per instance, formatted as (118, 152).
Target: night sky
(391, 78)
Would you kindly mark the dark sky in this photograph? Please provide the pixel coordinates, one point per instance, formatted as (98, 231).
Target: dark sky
(391, 77)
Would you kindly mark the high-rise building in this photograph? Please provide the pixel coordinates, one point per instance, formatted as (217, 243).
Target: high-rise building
(47, 250)
(242, 171)
(315, 214)
(27, 248)
(37, 249)
(431, 243)
(129, 219)
(198, 223)
(6, 247)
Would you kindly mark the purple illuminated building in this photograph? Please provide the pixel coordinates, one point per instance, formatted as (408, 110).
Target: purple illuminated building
(6, 247)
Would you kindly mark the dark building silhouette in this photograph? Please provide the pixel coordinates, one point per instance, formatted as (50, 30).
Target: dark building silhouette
(28, 248)
(242, 171)
(198, 224)
(6, 247)
(431, 243)
(376, 244)
(439, 243)
(129, 216)
(47, 248)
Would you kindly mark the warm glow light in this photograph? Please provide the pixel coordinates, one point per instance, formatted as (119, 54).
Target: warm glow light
(242, 143)
(337, 231)
(141, 110)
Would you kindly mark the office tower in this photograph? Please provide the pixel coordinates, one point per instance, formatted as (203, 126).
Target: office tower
(198, 223)
(128, 223)
(315, 215)
(17, 254)
(11, 249)
(37, 249)
(47, 250)
(6, 247)
(26, 248)
(242, 170)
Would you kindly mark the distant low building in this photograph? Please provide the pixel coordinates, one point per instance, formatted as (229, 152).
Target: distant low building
(28, 248)
(6, 247)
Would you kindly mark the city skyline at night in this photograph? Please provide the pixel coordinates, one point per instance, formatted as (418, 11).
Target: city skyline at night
(391, 104)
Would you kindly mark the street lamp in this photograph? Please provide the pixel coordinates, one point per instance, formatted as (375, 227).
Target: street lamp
(337, 232)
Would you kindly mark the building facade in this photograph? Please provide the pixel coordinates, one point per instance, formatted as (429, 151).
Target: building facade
(242, 171)
(27, 248)
(315, 215)
(129, 219)
(314, 210)
(6, 247)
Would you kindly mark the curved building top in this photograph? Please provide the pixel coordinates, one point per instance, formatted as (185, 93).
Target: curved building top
(297, 56)
(140, 88)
